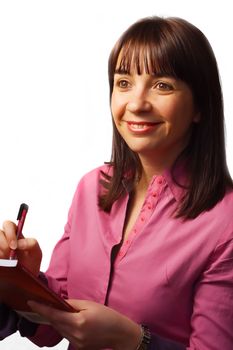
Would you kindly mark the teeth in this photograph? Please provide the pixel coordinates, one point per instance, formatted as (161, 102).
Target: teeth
(138, 126)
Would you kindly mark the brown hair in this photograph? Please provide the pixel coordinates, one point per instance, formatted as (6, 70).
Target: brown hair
(174, 47)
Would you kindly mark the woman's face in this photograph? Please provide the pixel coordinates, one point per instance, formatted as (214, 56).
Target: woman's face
(153, 114)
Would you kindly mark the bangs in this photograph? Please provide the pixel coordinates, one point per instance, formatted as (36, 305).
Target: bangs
(145, 57)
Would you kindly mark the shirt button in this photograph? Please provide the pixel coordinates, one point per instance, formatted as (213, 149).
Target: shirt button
(160, 180)
(142, 218)
(149, 206)
(154, 194)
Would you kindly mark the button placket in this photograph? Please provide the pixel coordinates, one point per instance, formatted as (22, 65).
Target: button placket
(146, 211)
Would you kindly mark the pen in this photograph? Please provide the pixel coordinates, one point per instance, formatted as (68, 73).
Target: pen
(23, 209)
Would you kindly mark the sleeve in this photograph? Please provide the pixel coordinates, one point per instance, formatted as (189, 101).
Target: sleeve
(57, 271)
(212, 318)
(8, 321)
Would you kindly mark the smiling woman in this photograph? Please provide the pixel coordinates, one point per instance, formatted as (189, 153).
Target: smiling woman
(146, 258)
(177, 55)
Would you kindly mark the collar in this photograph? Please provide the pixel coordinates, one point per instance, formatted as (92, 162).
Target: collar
(177, 179)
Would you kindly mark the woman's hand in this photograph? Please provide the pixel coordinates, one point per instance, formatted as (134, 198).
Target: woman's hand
(93, 326)
(27, 249)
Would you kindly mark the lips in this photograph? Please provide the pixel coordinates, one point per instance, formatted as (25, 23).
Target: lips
(142, 127)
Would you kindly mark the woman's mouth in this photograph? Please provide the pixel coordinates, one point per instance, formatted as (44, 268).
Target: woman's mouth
(142, 127)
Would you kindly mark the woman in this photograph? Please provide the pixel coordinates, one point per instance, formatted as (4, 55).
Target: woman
(149, 235)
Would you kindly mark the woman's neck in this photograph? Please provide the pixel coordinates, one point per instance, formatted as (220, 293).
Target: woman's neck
(148, 171)
(155, 163)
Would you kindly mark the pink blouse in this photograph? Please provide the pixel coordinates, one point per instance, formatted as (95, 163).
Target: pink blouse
(174, 275)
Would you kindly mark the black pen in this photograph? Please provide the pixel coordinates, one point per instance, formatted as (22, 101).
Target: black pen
(21, 219)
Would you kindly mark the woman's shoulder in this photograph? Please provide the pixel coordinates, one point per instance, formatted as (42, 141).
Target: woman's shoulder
(88, 187)
(96, 173)
(91, 179)
(223, 210)
(227, 202)
(222, 216)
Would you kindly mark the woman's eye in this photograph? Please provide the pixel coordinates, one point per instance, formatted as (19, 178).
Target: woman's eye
(163, 86)
(123, 84)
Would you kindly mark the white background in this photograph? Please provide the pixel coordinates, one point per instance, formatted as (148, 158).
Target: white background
(54, 112)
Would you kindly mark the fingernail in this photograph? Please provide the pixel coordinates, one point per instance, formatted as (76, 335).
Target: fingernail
(13, 244)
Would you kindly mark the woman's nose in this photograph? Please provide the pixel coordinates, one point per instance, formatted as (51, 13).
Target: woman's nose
(139, 104)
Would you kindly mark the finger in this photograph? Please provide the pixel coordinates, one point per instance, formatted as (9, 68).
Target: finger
(79, 305)
(9, 229)
(65, 323)
(41, 309)
(49, 313)
(4, 245)
(29, 244)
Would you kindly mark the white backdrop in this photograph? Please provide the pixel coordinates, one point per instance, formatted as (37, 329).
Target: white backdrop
(54, 114)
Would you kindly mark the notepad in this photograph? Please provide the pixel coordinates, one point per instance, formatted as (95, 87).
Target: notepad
(18, 285)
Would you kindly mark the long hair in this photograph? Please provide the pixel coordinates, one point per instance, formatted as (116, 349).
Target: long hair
(174, 47)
